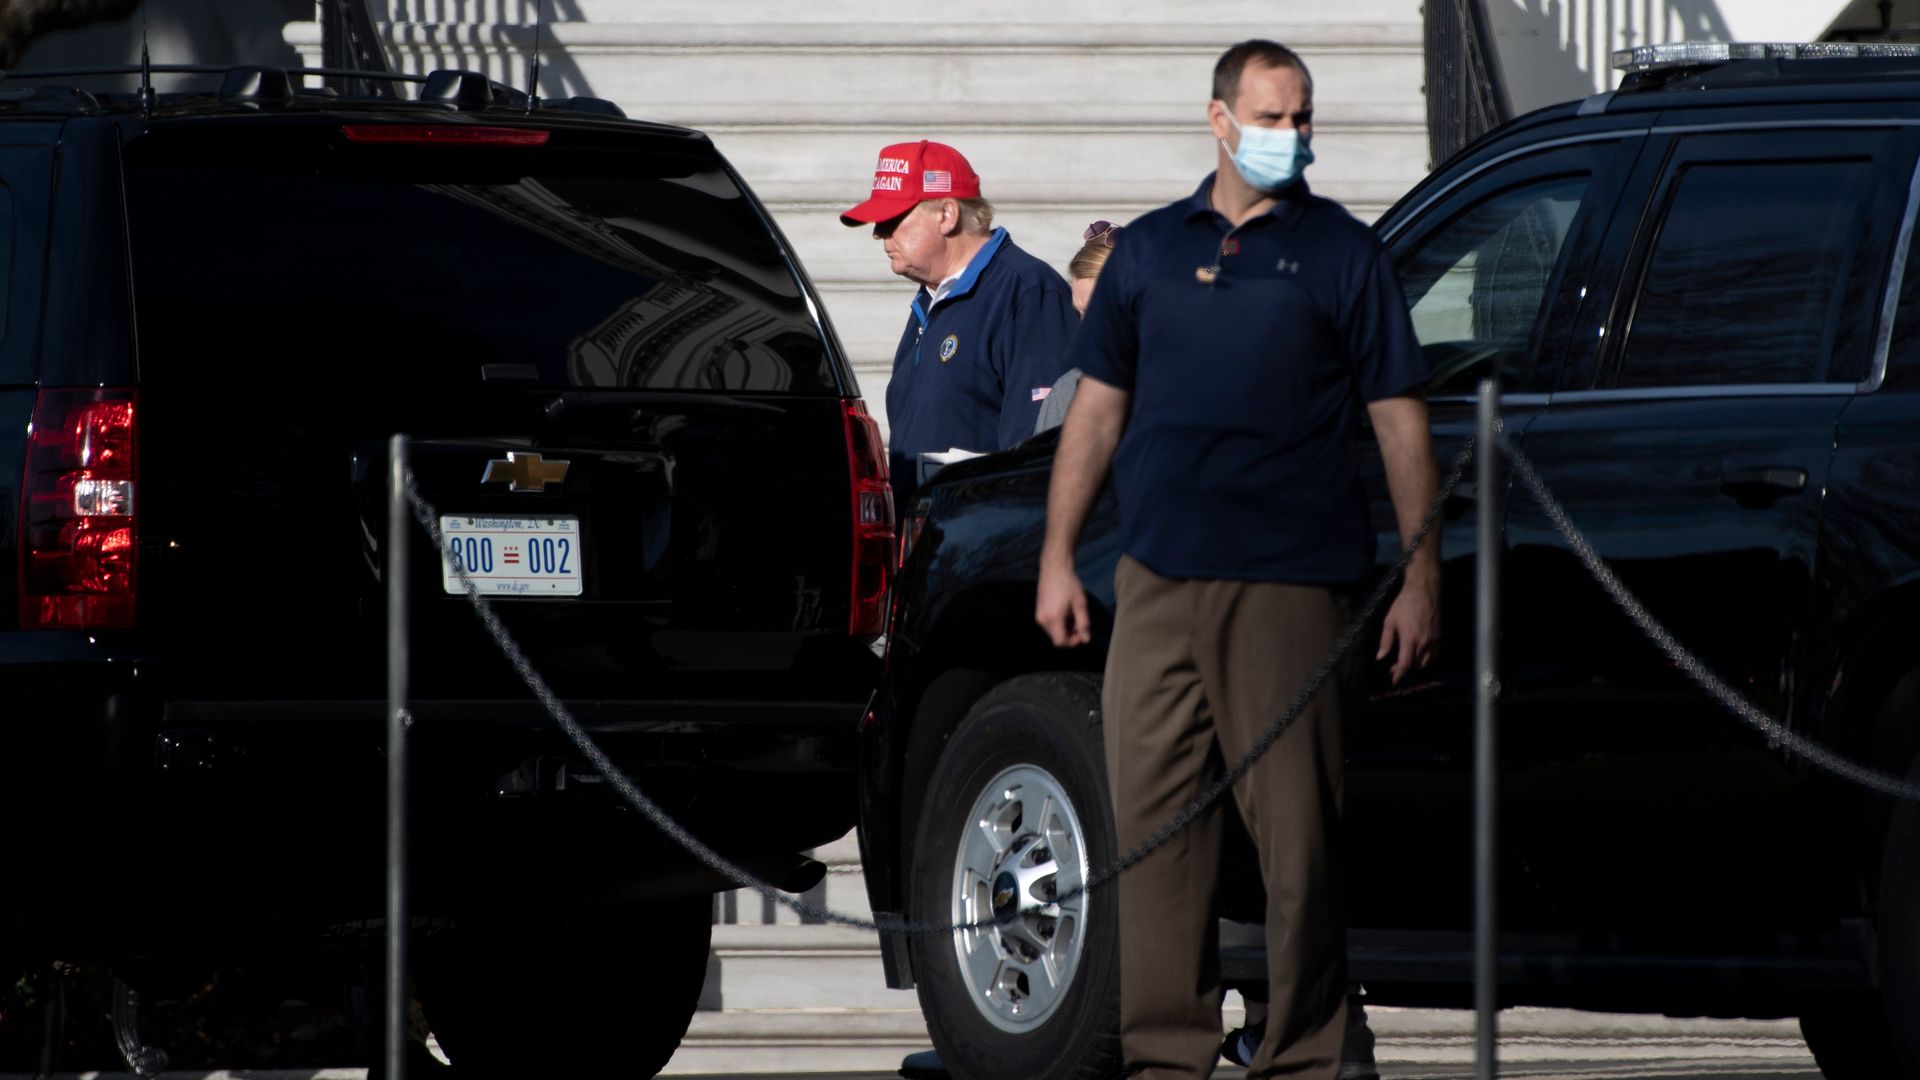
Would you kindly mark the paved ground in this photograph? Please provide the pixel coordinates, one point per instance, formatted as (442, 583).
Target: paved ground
(1637, 1068)
(1571, 1070)
(1433, 1044)
(1648, 1069)
(1640, 1068)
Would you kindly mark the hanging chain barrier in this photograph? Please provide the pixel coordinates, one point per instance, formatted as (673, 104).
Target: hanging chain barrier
(429, 518)
(1814, 753)
(1793, 742)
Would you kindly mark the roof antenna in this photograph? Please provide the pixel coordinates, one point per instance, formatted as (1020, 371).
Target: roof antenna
(533, 64)
(146, 68)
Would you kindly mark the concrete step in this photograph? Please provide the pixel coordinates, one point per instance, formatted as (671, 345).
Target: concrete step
(655, 70)
(1546, 1044)
(789, 999)
(1532, 1035)
(887, 118)
(1047, 218)
(1154, 166)
(795, 1041)
(992, 19)
(1071, 111)
(784, 998)
(789, 967)
(843, 890)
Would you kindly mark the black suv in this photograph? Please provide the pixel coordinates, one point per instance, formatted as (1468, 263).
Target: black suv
(633, 418)
(1701, 297)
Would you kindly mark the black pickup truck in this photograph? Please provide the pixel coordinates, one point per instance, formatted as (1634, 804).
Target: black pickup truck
(1699, 295)
(632, 417)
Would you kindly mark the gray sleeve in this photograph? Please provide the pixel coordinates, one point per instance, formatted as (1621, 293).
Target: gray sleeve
(1053, 409)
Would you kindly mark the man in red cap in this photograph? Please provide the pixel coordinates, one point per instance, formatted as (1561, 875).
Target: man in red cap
(988, 332)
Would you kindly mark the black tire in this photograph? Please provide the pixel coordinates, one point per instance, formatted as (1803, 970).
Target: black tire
(1873, 1036)
(1039, 734)
(1898, 919)
(1850, 1040)
(602, 996)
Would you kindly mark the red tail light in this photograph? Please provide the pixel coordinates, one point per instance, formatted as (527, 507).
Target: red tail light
(77, 534)
(914, 524)
(444, 135)
(872, 521)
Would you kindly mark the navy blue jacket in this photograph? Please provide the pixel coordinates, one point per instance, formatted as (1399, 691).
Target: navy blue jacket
(970, 373)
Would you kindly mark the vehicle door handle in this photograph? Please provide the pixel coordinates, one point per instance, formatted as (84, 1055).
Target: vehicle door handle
(1763, 481)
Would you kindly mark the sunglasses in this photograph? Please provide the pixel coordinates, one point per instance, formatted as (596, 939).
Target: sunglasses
(1104, 230)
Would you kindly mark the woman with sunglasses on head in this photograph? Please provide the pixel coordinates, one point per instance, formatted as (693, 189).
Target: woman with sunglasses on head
(1096, 244)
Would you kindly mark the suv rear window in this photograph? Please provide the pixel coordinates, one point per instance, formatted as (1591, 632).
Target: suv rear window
(291, 257)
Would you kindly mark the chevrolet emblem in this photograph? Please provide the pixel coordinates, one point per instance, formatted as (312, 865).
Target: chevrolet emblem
(524, 472)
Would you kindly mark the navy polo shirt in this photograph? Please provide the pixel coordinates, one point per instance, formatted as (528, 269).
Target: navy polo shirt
(972, 370)
(1238, 460)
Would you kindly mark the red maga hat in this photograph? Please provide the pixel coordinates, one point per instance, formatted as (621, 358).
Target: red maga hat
(910, 173)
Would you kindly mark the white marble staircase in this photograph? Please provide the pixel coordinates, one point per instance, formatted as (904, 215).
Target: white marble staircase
(786, 998)
(1070, 111)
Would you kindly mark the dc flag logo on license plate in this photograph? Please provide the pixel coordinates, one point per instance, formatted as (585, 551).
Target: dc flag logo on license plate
(513, 556)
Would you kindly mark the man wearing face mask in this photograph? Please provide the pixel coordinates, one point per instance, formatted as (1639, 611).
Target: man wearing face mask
(1227, 352)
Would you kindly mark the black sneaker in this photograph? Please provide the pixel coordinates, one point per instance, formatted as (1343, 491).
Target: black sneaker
(925, 1065)
(1357, 1064)
(1241, 1042)
(1356, 1053)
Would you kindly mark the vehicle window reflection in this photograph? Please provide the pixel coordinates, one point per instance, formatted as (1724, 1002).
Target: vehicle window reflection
(555, 269)
(1476, 287)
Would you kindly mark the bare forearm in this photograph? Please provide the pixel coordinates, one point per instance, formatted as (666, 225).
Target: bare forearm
(1406, 448)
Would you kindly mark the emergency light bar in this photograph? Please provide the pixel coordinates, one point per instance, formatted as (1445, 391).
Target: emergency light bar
(1695, 53)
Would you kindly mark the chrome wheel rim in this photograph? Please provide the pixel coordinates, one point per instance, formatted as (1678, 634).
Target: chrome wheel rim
(1021, 844)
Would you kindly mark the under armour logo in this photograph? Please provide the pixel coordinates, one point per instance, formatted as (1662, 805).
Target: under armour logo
(1289, 267)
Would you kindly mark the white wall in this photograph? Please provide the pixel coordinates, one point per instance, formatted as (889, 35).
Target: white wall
(1555, 50)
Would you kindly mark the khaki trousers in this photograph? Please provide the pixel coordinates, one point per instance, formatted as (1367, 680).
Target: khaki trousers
(1197, 670)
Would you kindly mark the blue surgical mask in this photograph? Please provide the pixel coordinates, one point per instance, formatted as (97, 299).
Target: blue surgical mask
(1269, 158)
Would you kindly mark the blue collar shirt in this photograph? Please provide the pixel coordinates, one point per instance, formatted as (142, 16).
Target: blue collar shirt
(971, 370)
(1249, 353)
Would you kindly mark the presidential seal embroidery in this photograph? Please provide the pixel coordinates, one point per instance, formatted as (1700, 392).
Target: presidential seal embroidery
(949, 347)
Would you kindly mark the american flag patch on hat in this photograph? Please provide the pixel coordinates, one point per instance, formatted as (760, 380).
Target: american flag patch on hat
(937, 180)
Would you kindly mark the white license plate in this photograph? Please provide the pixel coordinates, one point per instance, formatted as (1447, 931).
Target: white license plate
(513, 556)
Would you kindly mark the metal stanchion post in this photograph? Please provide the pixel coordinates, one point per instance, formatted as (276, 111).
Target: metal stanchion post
(1486, 776)
(399, 526)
